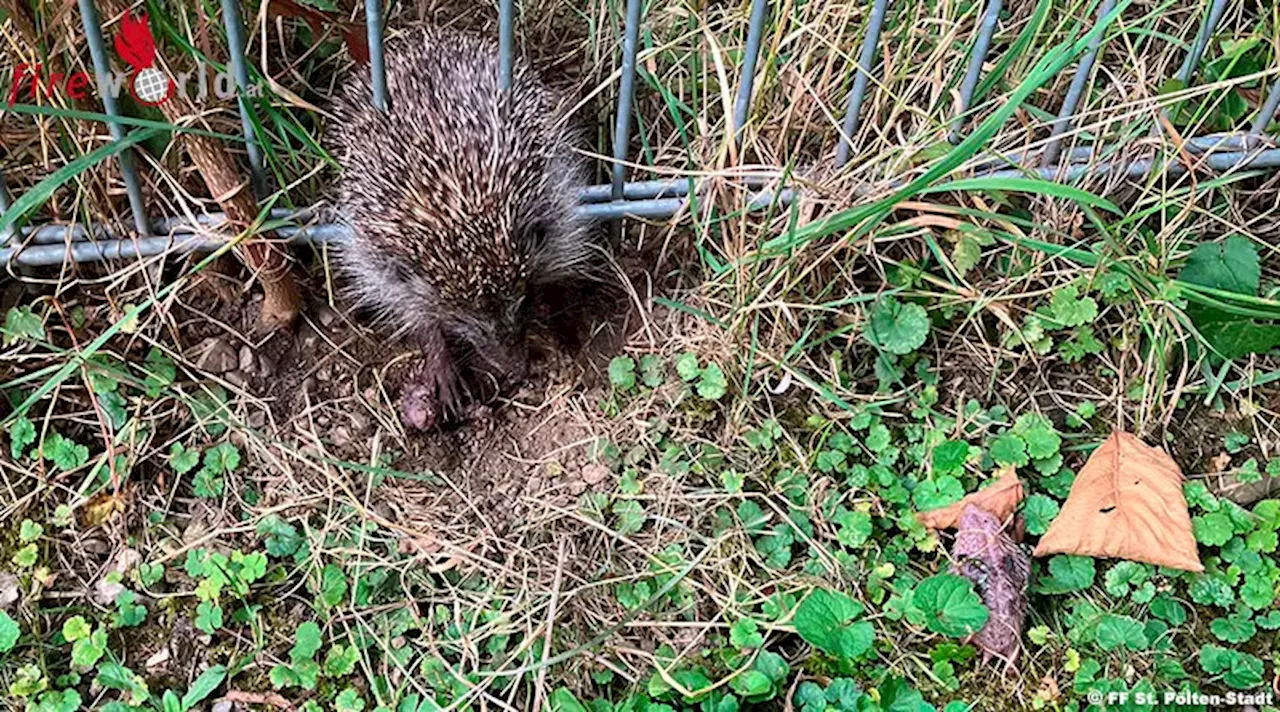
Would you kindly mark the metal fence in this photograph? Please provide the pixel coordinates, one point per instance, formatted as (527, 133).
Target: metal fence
(56, 244)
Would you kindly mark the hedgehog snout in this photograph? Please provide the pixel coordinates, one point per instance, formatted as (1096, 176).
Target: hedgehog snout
(498, 350)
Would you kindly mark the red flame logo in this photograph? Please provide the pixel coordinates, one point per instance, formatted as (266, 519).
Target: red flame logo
(135, 43)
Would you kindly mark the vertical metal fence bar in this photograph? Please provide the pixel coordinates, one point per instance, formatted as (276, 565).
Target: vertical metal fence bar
(852, 115)
(10, 231)
(236, 47)
(755, 32)
(98, 52)
(986, 30)
(506, 41)
(1268, 110)
(1075, 92)
(1210, 24)
(377, 55)
(626, 91)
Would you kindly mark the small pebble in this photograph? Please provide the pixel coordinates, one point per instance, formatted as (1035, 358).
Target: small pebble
(326, 316)
(307, 338)
(266, 366)
(247, 360)
(216, 356)
(340, 436)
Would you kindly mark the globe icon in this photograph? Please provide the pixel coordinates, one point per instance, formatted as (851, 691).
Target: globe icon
(151, 85)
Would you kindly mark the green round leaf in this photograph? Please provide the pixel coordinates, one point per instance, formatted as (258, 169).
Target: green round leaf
(1115, 631)
(1039, 511)
(950, 605)
(825, 620)
(897, 327)
(9, 632)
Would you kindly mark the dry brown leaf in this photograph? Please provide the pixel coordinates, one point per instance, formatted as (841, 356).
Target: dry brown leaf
(1000, 498)
(102, 508)
(1126, 503)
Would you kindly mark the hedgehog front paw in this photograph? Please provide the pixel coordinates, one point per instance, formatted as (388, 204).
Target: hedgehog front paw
(428, 399)
(419, 407)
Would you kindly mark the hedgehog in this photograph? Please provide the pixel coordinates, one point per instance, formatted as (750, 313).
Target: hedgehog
(999, 569)
(461, 202)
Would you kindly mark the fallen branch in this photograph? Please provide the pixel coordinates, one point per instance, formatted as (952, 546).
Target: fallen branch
(270, 261)
(258, 698)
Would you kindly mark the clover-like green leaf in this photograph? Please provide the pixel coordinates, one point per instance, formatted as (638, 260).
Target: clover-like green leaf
(1115, 631)
(687, 366)
(1068, 308)
(1010, 449)
(341, 660)
(744, 633)
(208, 617)
(305, 642)
(897, 327)
(75, 628)
(950, 605)
(29, 531)
(22, 432)
(1069, 573)
(622, 372)
(712, 384)
(9, 632)
(1212, 529)
(1231, 265)
(1039, 511)
(66, 454)
(349, 700)
(279, 537)
(183, 459)
(1239, 670)
(826, 620)
(21, 323)
(1236, 628)
(949, 457)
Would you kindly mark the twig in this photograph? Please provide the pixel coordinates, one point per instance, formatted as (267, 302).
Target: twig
(258, 698)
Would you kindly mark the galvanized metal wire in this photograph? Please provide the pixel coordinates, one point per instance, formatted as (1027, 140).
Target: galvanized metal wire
(862, 76)
(626, 92)
(651, 199)
(1222, 154)
(1192, 61)
(236, 48)
(377, 53)
(746, 81)
(506, 42)
(1084, 72)
(981, 45)
(98, 54)
(1268, 110)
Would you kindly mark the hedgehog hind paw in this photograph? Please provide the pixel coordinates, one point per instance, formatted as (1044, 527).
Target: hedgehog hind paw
(419, 407)
(431, 396)
(426, 405)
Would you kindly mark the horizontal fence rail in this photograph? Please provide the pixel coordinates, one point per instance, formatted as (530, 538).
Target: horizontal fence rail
(54, 244)
(663, 198)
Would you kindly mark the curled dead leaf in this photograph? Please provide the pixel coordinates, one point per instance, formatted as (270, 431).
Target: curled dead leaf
(102, 508)
(1000, 498)
(1126, 503)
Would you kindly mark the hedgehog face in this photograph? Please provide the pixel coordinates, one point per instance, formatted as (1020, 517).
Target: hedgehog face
(492, 335)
